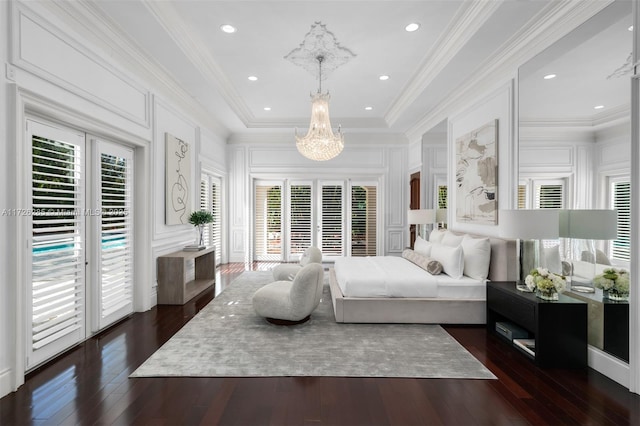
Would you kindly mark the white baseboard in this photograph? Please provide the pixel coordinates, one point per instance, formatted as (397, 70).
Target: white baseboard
(6, 385)
(610, 366)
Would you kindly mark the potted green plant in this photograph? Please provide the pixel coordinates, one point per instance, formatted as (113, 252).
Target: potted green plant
(200, 218)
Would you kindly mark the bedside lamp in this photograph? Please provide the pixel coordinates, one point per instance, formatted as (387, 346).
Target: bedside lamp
(421, 217)
(441, 218)
(583, 227)
(529, 227)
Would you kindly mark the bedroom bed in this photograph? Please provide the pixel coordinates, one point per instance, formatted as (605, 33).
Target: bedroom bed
(392, 289)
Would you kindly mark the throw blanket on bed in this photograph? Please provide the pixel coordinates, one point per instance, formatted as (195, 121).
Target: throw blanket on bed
(383, 276)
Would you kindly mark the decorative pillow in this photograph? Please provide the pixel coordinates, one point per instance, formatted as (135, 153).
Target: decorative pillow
(431, 266)
(451, 258)
(436, 236)
(422, 246)
(452, 240)
(477, 257)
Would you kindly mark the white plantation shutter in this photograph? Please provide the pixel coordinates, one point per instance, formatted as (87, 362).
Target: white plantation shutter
(115, 269)
(549, 195)
(300, 217)
(57, 284)
(331, 221)
(268, 221)
(522, 196)
(364, 206)
(210, 200)
(621, 201)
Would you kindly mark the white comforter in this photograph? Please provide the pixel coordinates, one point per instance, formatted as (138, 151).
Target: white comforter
(383, 276)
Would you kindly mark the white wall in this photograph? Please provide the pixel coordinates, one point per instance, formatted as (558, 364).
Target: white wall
(55, 72)
(434, 166)
(497, 104)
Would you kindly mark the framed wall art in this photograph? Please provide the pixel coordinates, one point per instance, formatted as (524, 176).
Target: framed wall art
(477, 175)
(178, 180)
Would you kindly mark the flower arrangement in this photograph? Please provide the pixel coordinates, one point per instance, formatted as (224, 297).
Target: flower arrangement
(546, 284)
(615, 283)
(200, 218)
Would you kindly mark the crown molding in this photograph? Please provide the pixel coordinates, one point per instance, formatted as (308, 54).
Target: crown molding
(469, 18)
(605, 119)
(199, 55)
(288, 139)
(555, 21)
(83, 15)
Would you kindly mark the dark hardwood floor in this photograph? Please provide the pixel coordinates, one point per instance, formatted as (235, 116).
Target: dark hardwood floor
(90, 385)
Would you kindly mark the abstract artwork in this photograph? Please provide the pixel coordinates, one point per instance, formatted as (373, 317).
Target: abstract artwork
(178, 181)
(477, 175)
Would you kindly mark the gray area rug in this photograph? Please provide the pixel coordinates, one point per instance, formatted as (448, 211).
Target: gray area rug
(227, 338)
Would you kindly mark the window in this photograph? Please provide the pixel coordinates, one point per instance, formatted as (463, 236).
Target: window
(332, 236)
(300, 218)
(364, 206)
(210, 200)
(541, 194)
(620, 199)
(268, 221)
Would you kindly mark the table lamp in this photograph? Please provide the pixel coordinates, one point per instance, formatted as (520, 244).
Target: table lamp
(421, 217)
(584, 227)
(528, 227)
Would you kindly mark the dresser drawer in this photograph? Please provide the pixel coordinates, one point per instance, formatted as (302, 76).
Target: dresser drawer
(519, 310)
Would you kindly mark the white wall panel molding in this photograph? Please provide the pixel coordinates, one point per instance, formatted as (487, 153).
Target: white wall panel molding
(45, 51)
(397, 188)
(585, 184)
(279, 156)
(395, 241)
(545, 158)
(91, 24)
(239, 193)
(6, 381)
(613, 156)
(552, 23)
(168, 119)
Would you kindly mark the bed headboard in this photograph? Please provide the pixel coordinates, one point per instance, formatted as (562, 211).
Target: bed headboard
(504, 258)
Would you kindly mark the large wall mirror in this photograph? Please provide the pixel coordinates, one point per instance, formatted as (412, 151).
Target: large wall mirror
(575, 143)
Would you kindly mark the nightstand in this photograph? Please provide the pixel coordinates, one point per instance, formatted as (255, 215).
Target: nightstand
(559, 328)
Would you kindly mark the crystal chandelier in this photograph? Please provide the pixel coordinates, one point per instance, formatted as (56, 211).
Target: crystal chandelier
(320, 143)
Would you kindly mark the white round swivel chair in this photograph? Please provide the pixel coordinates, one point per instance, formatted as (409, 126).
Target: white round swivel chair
(291, 302)
(288, 271)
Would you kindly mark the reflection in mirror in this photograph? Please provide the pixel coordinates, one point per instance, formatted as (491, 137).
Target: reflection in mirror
(575, 145)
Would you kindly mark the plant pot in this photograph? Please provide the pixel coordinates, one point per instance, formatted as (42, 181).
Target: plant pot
(614, 295)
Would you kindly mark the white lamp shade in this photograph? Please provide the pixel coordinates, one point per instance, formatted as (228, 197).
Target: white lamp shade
(537, 224)
(589, 224)
(421, 216)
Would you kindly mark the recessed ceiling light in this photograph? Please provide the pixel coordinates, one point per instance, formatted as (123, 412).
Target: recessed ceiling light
(369, 108)
(227, 28)
(598, 107)
(549, 76)
(253, 78)
(630, 28)
(412, 27)
(267, 108)
(384, 77)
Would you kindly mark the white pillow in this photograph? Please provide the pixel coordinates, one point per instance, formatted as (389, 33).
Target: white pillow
(452, 240)
(451, 258)
(477, 257)
(436, 236)
(422, 246)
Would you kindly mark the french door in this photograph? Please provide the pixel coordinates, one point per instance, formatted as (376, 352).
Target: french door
(340, 217)
(80, 262)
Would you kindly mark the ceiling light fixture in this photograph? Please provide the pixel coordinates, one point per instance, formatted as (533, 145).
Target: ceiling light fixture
(252, 78)
(598, 107)
(267, 108)
(384, 77)
(549, 76)
(227, 28)
(320, 53)
(320, 143)
(412, 27)
(369, 108)
(630, 28)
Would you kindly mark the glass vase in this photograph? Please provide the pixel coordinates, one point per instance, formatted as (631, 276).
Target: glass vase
(614, 295)
(547, 295)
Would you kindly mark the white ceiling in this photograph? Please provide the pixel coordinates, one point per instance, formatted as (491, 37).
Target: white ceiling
(456, 41)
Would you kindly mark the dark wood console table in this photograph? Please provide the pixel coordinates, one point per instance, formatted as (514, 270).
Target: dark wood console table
(558, 327)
